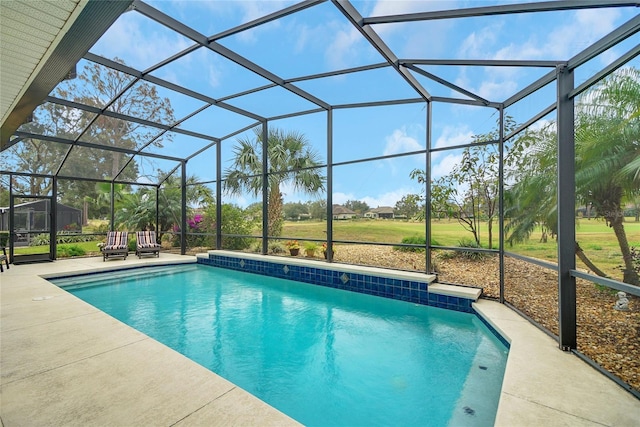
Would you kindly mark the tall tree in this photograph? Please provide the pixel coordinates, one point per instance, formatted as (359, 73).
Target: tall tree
(608, 153)
(357, 206)
(470, 191)
(409, 205)
(96, 86)
(318, 209)
(170, 199)
(531, 170)
(295, 210)
(291, 159)
(607, 163)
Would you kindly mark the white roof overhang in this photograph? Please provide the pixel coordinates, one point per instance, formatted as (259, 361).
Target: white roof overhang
(40, 43)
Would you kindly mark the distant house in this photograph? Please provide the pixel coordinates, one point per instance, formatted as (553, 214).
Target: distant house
(340, 212)
(382, 212)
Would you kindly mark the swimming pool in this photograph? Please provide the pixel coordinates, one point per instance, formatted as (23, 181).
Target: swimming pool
(322, 356)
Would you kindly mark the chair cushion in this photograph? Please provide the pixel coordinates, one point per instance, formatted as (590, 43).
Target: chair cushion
(117, 240)
(146, 239)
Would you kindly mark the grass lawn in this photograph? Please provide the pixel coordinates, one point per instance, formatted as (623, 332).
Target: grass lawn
(89, 248)
(596, 239)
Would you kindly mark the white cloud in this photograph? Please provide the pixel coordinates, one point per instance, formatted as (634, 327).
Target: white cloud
(215, 75)
(399, 7)
(475, 44)
(342, 198)
(387, 199)
(150, 47)
(343, 47)
(561, 42)
(346, 42)
(495, 90)
(583, 29)
(251, 10)
(445, 165)
(452, 136)
(400, 142)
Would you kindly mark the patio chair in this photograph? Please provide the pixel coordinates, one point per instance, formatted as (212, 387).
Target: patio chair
(146, 243)
(4, 258)
(117, 245)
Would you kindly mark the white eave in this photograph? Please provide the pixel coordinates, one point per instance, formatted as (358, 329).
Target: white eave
(40, 42)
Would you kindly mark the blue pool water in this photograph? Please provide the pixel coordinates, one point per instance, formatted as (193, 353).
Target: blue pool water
(323, 356)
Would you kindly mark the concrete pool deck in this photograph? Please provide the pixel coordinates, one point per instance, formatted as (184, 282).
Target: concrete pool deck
(63, 362)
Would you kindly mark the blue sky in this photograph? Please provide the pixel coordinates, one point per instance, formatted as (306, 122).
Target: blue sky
(320, 39)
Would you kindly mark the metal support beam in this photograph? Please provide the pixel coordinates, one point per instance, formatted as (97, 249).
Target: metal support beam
(501, 203)
(183, 225)
(566, 212)
(483, 62)
(53, 219)
(368, 33)
(618, 35)
(330, 185)
(265, 188)
(464, 101)
(11, 221)
(158, 136)
(112, 208)
(532, 120)
(218, 196)
(26, 135)
(546, 6)
(446, 83)
(188, 32)
(427, 187)
(166, 84)
(538, 84)
(606, 71)
(157, 225)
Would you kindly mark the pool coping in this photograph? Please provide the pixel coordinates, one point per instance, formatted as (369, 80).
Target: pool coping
(77, 378)
(413, 287)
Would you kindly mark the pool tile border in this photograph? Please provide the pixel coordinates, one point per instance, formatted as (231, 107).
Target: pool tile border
(411, 289)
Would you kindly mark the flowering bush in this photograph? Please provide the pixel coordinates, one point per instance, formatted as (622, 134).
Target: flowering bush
(194, 223)
(292, 244)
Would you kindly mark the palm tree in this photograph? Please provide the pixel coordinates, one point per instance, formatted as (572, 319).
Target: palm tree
(608, 153)
(607, 164)
(291, 159)
(170, 199)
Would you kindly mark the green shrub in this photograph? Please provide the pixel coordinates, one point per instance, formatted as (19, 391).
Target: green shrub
(4, 238)
(132, 244)
(276, 248)
(414, 240)
(101, 228)
(234, 222)
(71, 237)
(65, 251)
(39, 240)
(470, 255)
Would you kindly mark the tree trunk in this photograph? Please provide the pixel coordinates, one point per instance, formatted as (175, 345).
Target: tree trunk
(85, 213)
(630, 275)
(583, 257)
(490, 230)
(274, 210)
